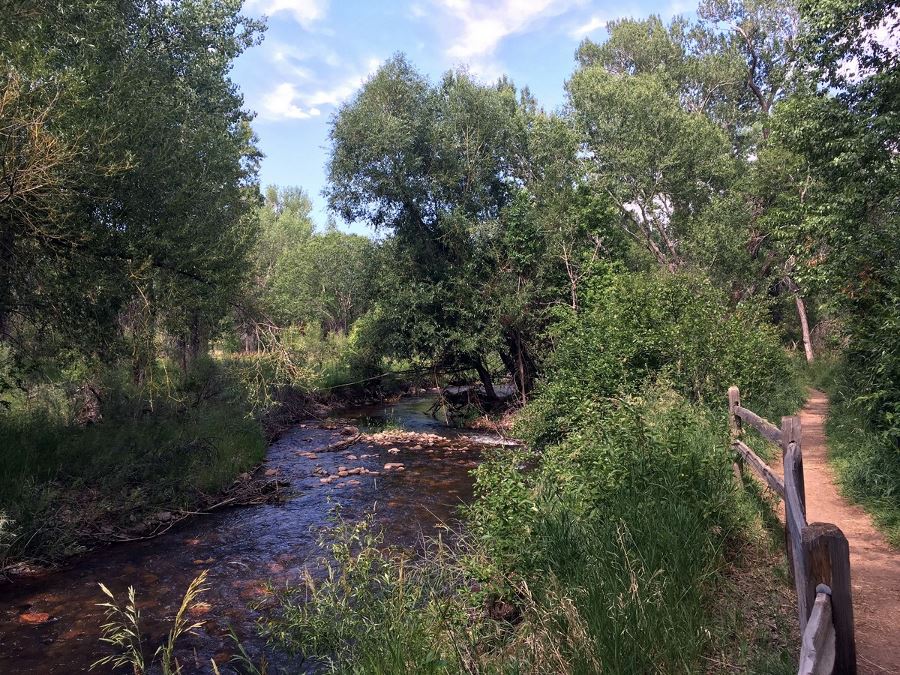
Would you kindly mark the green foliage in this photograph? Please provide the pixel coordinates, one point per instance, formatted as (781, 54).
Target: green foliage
(133, 167)
(651, 326)
(303, 277)
(657, 161)
(600, 556)
(847, 232)
(146, 454)
(473, 184)
(866, 458)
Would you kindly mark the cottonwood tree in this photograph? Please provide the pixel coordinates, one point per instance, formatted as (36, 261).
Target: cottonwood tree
(658, 163)
(453, 173)
(150, 221)
(766, 34)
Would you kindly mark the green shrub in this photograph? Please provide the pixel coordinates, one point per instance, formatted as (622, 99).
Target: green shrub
(643, 327)
(603, 542)
(630, 516)
(597, 555)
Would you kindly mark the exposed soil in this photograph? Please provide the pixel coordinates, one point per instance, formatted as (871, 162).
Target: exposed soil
(874, 565)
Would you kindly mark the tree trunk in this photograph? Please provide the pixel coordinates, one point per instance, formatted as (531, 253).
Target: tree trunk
(249, 336)
(486, 380)
(804, 326)
(519, 363)
(194, 344)
(801, 310)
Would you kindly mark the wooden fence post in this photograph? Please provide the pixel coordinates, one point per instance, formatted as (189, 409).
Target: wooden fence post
(790, 440)
(794, 525)
(791, 434)
(734, 422)
(827, 557)
(734, 427)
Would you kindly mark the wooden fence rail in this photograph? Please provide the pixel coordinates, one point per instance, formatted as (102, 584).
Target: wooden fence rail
(818, 554)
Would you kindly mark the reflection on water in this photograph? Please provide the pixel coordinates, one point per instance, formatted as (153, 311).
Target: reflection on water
(243, 548)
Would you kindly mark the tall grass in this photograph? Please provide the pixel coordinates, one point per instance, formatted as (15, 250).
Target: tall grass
(57, 478)
(122, 631)
(867, 464)
(599, 548)
(600, 557)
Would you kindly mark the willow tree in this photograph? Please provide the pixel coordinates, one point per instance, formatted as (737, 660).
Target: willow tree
(452, 172)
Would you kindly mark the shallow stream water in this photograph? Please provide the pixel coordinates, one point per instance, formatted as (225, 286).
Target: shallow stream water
(243, 548)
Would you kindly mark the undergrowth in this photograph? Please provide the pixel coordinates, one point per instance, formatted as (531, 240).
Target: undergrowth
(62, 482)
(604, 555)
(868, 466)
(600, 547)
(866, 459)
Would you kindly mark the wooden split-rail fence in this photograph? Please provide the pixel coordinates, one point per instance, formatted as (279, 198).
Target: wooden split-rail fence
(818, 554)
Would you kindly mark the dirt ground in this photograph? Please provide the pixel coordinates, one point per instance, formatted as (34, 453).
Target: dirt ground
(874, 565)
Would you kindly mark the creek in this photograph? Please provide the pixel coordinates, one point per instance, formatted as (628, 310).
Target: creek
(246, 548)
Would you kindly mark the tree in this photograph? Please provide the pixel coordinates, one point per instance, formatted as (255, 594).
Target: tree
(475, 187)
(848, 235)
(433, 166)
(766, 34)
(657, 162)
(151, 167)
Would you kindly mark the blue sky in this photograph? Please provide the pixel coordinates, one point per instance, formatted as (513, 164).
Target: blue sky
(317, 53)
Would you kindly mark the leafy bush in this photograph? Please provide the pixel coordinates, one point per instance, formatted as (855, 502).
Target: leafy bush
(644, 327)
(597, 549)
(630, 515)
(867, 463)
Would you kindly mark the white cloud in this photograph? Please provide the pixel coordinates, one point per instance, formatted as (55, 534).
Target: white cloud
(280, 104)
(594, 23)
(343, 89)
(477, 28)
(305, 12)
(288, 101)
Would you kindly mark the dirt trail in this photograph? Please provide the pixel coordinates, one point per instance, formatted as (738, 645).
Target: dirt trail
(874, 565)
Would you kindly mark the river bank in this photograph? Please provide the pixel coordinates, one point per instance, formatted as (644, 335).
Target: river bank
(413, 480)
(143, 466)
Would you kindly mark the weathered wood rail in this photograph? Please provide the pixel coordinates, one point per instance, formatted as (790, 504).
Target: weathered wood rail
(818, 553)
